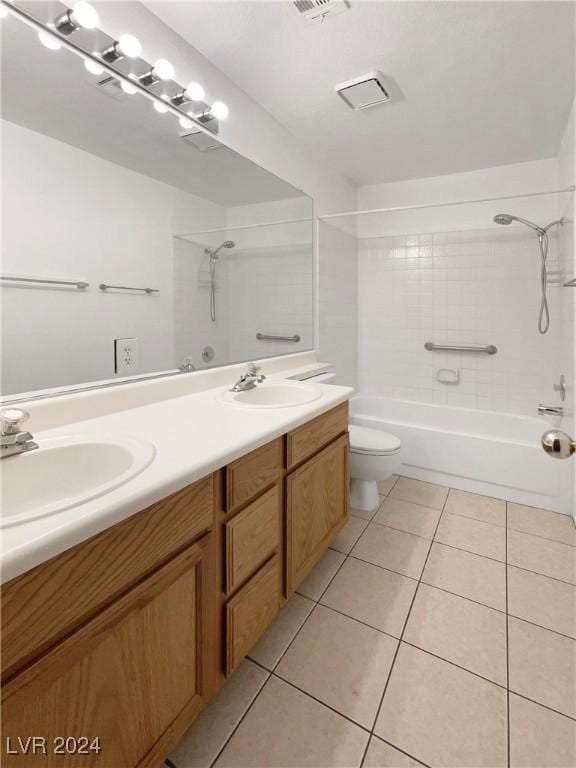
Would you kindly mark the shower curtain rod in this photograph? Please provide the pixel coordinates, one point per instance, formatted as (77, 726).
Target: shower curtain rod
(441, 205)
(236, 227)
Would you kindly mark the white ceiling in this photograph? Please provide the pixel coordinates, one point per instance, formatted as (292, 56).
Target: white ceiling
(474, 84)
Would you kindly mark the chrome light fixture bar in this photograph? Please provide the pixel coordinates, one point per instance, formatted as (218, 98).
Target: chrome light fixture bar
(206, 120)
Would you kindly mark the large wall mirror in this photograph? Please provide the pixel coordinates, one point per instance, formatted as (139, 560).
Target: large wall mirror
(131, 245)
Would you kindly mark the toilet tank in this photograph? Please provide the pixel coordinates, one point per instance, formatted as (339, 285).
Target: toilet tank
(328, 377)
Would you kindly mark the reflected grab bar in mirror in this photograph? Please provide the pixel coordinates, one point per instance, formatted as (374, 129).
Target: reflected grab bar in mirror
(45, 281)
(489, 350)
(105, 287)
(268, 337)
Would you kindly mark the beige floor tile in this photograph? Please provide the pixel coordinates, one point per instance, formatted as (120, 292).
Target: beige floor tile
(321, 575)
(382, 755)
(540, 522)
(389, 548)
(371, 594)
(542, 556)
(408, 517)
(287, 729)
(385, 486)
(349, 535)
(466, 633)
(442, 715)
(478, 507)
(547, 602)
(542, 666)
(540, 738)
(366, 514)
(340, 662)
(280, 634)
(419, 492)
(214, 725)
(478, 578)
(473, 536)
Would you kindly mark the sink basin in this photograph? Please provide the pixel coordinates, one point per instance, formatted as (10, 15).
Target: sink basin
(65, 472)
(282, 394)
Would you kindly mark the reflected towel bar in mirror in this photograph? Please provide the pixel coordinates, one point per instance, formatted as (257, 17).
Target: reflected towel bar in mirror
(81, 284)
(105, 287)
(269, 337)
(489, 350)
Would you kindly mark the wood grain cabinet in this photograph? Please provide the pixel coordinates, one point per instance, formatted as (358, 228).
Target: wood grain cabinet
(317, 507)
(122, 679)
(111, 649)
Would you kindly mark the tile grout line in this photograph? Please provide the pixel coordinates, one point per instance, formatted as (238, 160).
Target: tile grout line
(508, 745)
(241, 720)
(393, 664)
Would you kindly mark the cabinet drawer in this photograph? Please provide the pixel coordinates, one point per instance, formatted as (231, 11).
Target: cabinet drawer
(311, 437)
(44, 604)
(251, 537)
(248, 476)
(317, 508)
(250, 611)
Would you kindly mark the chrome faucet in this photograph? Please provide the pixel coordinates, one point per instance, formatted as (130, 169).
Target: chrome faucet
(249, 379)
(12, 439)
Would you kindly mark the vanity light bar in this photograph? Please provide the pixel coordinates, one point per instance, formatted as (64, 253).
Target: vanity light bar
(127, 46)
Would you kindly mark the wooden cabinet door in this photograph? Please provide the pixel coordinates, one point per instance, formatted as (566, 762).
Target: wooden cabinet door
(123, 678)
(317, 507)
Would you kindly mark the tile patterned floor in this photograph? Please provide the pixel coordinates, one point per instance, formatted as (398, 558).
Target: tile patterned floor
(438, 630)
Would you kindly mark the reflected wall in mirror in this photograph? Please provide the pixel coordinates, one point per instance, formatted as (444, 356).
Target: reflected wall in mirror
(100, 189)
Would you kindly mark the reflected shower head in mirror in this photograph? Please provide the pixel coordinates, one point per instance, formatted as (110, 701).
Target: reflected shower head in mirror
(226, 244)
(507, 218)
(213, 259)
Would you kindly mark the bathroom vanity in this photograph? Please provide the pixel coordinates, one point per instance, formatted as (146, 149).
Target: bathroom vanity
(150, 616)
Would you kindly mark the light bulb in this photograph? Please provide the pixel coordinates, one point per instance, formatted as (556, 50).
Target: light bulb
(220, 110)
(161, 108)
(194, 92)
(93, 67)
(84, 15)
(128, 88)
(49, 41)
(163, 69)
(185, 123)
(129, 46)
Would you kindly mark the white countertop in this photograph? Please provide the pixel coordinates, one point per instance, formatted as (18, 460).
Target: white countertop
(193, 435)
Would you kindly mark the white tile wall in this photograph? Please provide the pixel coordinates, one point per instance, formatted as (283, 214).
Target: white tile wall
(474, 287)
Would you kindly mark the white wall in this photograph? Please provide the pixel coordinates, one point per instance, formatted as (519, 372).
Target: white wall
(254, 133)
(450, 275)
(567, 258)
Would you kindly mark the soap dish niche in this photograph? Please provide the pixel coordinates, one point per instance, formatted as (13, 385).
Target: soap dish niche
(448, 375)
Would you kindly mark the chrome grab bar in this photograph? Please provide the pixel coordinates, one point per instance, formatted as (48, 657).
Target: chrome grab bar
(269, 337)
(45, 281)
(489, 350)
(105, 287)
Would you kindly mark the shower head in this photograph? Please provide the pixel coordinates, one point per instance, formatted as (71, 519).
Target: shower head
(226, 244)
(507, 218)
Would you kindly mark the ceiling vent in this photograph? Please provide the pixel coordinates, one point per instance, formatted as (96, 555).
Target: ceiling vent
(318, 10)
(364, 92)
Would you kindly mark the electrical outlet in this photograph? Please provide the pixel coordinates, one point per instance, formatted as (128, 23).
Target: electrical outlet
(125, 356)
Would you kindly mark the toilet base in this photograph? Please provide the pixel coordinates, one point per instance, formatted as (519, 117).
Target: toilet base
(364, 494)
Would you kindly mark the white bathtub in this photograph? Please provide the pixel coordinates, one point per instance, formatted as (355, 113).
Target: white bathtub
(491, 453)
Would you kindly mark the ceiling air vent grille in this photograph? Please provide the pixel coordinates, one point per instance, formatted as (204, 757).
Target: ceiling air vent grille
(318, 10)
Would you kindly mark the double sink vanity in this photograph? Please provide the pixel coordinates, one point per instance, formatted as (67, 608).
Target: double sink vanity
(140, 570)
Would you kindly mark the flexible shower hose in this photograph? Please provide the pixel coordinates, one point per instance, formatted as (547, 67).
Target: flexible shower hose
(544, 316)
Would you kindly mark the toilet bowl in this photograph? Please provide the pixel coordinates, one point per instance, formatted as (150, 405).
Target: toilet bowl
(374, 456)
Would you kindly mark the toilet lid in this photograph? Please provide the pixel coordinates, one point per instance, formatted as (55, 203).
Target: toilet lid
(372, 441)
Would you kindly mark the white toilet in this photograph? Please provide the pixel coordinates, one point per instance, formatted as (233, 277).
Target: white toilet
(374, 456)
